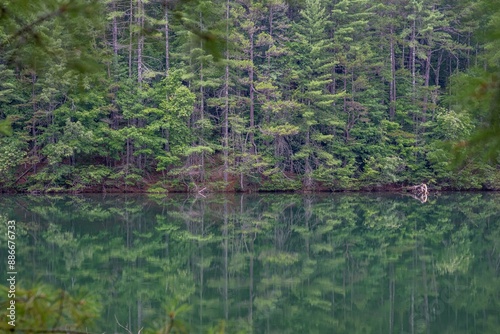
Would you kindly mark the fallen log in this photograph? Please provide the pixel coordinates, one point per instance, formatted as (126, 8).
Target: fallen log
(419, 192)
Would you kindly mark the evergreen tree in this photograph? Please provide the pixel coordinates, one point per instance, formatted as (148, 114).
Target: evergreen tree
(267, 95)
(313, 65)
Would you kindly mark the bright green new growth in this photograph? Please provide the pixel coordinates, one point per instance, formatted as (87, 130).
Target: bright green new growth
(248, 95)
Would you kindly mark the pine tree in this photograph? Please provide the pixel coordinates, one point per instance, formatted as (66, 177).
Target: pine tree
(313, 65)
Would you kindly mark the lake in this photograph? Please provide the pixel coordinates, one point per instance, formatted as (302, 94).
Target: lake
(266, 263)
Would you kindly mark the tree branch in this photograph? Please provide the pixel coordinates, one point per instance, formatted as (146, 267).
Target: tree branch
(29, 28)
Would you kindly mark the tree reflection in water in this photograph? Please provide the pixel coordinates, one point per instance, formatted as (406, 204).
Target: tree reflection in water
(267, 263)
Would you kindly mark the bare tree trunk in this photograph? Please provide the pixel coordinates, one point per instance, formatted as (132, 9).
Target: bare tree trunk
(33, 126)
(392, 93)
(127, 158)
(131, 35)
(271, 35)
(413, 56)
(226, 107)
(115, 32)
(346, 134)
(251, 77)
(308, 168)
(413, 59)
(438, 68)
(166, 134)
(202, 111)
(167, 45)
(140, 42)
(436, 81)
(426, 84)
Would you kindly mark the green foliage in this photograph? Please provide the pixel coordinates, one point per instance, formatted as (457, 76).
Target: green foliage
(47, 309)
(383, 170)
(5, 128)
(12, 154)
(182, 263)
(252, 94)
(75, 139)
(277, 181)
(37, 34)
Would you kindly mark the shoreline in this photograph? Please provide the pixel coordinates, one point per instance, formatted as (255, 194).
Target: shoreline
(381, 189)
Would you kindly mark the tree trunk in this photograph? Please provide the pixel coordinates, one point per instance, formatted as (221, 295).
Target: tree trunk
(392, 93)
(115, 33)
(426, 84)
(131, 35)
(167, 45)
(271, 35)
(251, 77)
(166, 134)
(140, 41)
(437, 71)
(226, 100)
(307, 167)
(413, 59)
(345, 104)
(202, 111)
(33, 126)
(413, 56)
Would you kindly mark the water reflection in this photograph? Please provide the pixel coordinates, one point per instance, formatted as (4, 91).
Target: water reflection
(270, 263)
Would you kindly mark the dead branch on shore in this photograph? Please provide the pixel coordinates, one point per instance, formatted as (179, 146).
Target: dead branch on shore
(419, 192)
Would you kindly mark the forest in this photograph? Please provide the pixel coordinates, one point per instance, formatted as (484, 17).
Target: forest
(245, 95)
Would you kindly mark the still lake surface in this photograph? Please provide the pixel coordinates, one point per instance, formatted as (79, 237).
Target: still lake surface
(269, 263)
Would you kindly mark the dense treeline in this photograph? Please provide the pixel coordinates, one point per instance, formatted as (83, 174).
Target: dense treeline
(245, 95)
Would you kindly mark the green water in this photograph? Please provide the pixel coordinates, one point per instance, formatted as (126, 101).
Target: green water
(270, 263)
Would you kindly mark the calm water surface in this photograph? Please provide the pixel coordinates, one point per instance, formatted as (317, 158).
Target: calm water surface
(268, 263)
